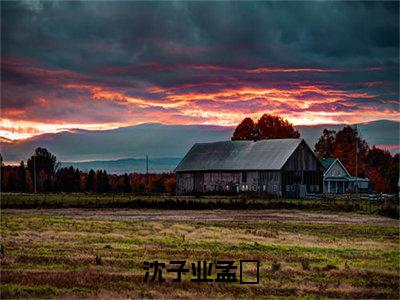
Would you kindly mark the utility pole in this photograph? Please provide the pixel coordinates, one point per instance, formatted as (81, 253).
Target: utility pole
(147, 164)
(147, 174)
(34, 172)
(356, 173)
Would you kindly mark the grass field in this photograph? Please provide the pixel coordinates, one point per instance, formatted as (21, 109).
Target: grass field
(100, 253)
(243, 201)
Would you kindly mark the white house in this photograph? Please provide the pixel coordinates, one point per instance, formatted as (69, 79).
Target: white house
(337, 179)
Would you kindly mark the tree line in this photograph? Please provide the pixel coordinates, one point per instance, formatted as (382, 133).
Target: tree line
(51, 178)
(378, 165)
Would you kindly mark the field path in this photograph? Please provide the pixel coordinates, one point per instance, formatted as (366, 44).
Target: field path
(281, 215)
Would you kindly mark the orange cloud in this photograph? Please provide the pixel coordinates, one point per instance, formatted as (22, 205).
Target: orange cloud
(222, 100)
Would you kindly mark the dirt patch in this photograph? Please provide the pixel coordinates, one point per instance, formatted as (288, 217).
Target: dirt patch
(295, 216)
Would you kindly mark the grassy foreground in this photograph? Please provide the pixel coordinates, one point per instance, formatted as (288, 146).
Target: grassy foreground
(58, 256)
(242, 201)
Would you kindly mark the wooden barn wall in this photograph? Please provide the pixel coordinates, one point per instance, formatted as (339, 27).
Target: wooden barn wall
(224, 181)
(302, 168)
(184, 183)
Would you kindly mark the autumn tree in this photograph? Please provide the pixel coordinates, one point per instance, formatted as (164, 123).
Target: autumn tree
(102, 183)
(267, 127)
(170, 184)
(347, 140)
(325, 146)
(244, 131)
(126, 187)
(383, 170)
(275, 127)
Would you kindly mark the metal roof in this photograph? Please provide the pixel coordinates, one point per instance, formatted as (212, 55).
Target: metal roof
(327, 162)
(239, 155)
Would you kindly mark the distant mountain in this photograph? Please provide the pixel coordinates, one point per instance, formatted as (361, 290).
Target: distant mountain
(153, 139)
(164, 144)
(128, 165)
(383, 133)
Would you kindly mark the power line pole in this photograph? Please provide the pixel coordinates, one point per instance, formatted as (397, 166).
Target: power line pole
(147, 174)
(34, 172)
(147, 164)
(356, 173)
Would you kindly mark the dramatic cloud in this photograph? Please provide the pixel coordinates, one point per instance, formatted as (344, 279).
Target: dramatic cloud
(97, 65)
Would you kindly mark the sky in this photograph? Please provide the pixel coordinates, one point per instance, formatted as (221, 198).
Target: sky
(102, 65)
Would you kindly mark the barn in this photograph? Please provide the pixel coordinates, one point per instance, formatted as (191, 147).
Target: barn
(281, 167)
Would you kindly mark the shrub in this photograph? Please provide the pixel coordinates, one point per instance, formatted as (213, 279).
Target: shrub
(275, 267)
(98, 260)
(305, 264)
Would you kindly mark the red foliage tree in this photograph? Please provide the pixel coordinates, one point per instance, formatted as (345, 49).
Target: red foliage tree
(267, 127)
(244, 131)
(275, 127)
(379, 183)
(345, 150)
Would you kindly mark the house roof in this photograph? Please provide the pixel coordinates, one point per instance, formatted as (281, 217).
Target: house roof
(327, 162)
(239, 155)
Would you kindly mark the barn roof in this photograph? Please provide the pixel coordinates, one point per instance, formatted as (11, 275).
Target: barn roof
(239, 155)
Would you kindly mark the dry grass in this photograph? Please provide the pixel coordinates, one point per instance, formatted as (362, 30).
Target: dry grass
(55, 256)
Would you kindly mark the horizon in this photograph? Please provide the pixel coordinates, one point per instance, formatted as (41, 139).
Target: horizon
(167, 141)
(74, 130)
(196, 64)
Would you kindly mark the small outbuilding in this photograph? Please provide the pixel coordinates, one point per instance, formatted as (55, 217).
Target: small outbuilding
(281, 167)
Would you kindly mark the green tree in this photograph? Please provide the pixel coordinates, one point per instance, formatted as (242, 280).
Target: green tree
(46, 165)
(22, 180)
(90, 184)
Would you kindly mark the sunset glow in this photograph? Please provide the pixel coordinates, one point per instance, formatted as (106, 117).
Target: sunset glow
(199, 73)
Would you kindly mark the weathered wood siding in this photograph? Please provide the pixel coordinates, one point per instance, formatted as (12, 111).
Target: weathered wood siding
(302, 173)
(235, 181)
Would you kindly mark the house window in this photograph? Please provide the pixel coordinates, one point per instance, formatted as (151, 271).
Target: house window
(275, 187)
(244, 177)
(317, 188)
(264, 187)
(311, 188)
(287, 188)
